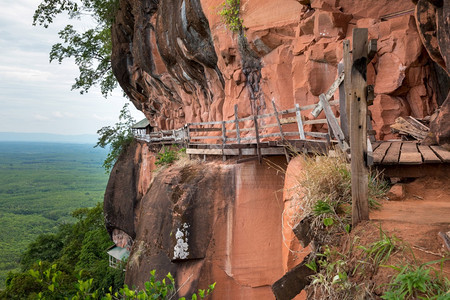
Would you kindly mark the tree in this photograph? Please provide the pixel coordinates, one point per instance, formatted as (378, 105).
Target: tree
(118, 137)
(92, 48)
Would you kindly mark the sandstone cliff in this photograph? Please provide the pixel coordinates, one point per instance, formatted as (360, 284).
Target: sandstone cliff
(178, 62)
(202, 221)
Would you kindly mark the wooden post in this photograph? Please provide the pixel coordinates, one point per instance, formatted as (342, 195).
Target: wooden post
(333, 123)
(347, 94)
(298, 115)
(258, 148)
(281, 130)
(238, 135)
(224, 140)
(358, 127)
(342, 104)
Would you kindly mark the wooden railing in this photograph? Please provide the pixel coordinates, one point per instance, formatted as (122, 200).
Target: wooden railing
(284, 125)
(235, 131)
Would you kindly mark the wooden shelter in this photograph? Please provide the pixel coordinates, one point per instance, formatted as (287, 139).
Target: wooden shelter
(142, 127)
(117, 255)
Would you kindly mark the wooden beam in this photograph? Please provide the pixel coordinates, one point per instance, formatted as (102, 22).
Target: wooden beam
(224, 139)
(428, 155)
(333, 123)
(442, 153)
(392, 155)
(236, 122)
(342, 104)
(257, 139)
(298, 116)
(409, 154)
(371, 49)
(358, 127)
(316, 111)
(347, 85)
(380, 152)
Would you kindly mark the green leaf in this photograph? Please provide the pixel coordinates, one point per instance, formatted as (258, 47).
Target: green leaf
(328, 221)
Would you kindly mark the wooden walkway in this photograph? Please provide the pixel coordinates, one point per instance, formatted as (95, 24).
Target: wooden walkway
(408, 153)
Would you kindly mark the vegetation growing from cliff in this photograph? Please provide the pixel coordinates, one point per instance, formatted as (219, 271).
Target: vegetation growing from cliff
(40, 185)
(365, 262)
(367, 267)
(90, 48)
(325, 188)
(118, 137)
(230, 15)
(168, 155)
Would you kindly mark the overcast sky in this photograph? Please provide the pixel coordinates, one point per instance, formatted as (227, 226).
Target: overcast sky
(36, 96)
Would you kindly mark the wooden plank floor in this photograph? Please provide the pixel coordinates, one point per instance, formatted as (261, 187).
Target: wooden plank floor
(408, 153)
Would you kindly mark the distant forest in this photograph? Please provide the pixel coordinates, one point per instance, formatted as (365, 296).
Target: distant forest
(40, 185)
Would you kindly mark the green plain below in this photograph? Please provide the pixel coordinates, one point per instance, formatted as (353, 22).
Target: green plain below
(40, 185)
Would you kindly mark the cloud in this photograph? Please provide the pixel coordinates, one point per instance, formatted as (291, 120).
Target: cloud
(41, 117)
(34, 90)
(102, 118)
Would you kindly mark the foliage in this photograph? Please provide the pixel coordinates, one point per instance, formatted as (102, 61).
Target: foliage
(325, 189)
(81, 257)
(40, 184)
(168, 156)
(155, 289)
(230, 15)
(118, 137)
(332, 278)
(417, 283)
(380, 251)
(92, 48)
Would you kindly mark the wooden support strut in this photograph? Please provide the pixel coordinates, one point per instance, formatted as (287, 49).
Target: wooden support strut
(224, 140)
(358, 127)
(333, 123)
(238, 135)
(286, 153)
(255, 119)
(298, 116)
(316, 111)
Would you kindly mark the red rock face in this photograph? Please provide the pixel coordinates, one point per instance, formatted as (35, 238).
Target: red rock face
(205, 223)
(179, 63)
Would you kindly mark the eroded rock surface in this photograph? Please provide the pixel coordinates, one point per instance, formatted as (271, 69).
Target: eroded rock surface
(178, 62)
(204, 223)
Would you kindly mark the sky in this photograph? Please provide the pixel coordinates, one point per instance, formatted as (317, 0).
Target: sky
(35, 95)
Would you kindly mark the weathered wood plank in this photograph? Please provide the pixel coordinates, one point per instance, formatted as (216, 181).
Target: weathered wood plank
(322, 135)
(380, 152)
(358, 127)
(290, 120)
(393, 154)
(312, 106)
(409, 154)
(443, 154)
(375, 145)
(204, 129)
(428, 155)
(236, 121)
(204, 151)
(298, 116)
(347, 83)
(342, 104)
(312, 146)
(268, 126)
(332, 121)
(268, 135)
(206, 137)
(257, 139)
(316, 111)
(317, 121)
